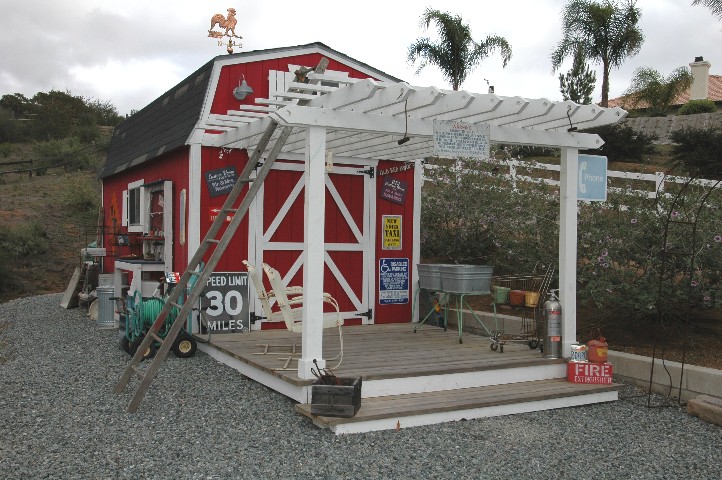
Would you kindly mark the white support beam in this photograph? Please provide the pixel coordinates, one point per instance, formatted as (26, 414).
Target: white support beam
(194, 200)
(353, 121)
(313, 254)
(568, 178)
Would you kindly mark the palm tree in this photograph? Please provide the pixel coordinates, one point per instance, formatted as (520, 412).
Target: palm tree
(607, 32)
(456, 53)
(715, 6)
(650, 89)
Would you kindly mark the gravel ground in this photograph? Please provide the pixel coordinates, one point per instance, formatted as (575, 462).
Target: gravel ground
(203, 420)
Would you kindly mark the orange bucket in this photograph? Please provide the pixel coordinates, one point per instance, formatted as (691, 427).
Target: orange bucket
(516, 297)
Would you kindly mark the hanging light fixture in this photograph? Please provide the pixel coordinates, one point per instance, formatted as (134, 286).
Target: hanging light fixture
(242, 90)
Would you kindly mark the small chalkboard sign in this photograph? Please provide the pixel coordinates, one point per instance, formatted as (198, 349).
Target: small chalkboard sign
(393, 190)
(221, 181)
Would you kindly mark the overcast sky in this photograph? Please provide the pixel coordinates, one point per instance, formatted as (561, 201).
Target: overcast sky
(131, 51)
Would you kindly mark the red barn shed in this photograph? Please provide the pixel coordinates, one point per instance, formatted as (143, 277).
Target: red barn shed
(170, 164)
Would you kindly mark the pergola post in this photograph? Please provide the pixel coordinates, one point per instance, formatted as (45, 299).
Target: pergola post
(568, 177)
(314, 253)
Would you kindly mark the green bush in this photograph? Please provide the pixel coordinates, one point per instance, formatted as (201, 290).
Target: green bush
(81, 197)
(700, 150)
(697, 106)
(623, 143)
(24, 240)
(472, 214)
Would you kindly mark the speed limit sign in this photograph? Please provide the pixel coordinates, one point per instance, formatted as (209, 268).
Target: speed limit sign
(225, 302)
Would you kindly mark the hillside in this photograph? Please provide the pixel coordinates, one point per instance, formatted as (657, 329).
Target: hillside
(51, 212)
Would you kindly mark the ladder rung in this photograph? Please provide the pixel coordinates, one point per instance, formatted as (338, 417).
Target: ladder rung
(156, 337)
(138, 372)
(195, 272)
(211, 240)
(176, 304)
(229, 210)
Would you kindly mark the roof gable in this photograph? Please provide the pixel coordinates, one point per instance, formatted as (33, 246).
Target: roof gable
(167, 123)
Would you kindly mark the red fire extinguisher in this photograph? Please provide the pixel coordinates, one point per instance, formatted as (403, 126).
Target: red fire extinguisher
(597, 350)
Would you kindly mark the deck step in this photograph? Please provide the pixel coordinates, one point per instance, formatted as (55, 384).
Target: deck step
(414, 409)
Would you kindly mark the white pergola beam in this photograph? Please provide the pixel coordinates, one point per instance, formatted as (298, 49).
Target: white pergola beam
(294, 115)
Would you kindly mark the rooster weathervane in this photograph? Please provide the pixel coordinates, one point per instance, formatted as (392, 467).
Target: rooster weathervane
(229, 24)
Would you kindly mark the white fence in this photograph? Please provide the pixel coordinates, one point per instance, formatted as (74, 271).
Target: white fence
(657, 181)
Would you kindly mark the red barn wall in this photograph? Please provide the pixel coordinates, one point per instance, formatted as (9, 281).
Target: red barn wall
(172, 166)
(213, 158)
(395, 313)
(256, 75)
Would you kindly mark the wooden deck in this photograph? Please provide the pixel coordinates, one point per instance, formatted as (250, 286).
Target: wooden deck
(412, 378)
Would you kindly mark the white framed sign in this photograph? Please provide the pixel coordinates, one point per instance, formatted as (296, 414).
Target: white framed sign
(454, 139)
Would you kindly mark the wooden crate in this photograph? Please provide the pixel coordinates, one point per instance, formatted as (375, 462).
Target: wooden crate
(340, 400)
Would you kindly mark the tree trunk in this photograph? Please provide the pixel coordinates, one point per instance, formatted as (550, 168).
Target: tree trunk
(605, 84)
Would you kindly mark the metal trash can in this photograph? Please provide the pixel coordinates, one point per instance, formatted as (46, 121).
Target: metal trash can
(106, 307)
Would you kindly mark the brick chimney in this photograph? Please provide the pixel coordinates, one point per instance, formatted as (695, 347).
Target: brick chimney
(700, 79)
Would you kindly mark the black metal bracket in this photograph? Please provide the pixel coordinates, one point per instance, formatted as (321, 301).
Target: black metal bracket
(255, 317)
(368, 314)
(371, 172)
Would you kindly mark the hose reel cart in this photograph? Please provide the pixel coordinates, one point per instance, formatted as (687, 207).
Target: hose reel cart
(137, 314)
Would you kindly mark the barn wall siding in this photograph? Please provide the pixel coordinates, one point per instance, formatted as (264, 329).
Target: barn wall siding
(172, 166)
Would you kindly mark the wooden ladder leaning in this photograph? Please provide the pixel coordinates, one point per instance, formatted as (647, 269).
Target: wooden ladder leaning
(218, 246)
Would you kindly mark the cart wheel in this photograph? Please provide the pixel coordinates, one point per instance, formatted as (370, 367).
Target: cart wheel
(533, 344)
(149, 352)
(494, 346)
(124, 344)
(185, 346)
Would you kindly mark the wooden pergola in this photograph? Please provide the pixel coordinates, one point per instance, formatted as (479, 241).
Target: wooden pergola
(365, 119)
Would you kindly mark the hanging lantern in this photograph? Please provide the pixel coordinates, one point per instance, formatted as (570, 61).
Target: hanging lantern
(242, 90)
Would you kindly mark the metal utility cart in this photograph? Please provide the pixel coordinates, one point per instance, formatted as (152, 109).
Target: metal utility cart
(524, 296)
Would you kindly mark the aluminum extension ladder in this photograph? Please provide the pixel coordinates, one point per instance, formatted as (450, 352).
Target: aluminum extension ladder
(210, 241)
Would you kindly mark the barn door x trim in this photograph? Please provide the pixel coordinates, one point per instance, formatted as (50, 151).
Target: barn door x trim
(362, 232)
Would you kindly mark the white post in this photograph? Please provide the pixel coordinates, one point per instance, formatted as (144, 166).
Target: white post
(313, 254)
(193, 239)
(568, 178)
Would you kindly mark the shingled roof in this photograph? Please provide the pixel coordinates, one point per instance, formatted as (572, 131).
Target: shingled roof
(167, 123)
(164, 125)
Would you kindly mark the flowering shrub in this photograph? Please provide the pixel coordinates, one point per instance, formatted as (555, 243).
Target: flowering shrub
(472, 214)
(626, 266)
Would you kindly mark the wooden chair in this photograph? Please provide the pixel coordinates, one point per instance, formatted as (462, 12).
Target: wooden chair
(289, 301)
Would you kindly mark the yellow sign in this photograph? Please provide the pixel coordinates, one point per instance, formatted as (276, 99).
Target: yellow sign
(392, 232)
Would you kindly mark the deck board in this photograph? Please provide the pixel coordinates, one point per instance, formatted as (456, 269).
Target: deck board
(382, 351)
(461, 399)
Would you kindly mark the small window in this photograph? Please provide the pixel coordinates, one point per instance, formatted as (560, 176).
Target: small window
(134, 206)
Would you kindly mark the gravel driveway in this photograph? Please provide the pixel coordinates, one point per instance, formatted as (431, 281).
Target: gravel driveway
(200, 419)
